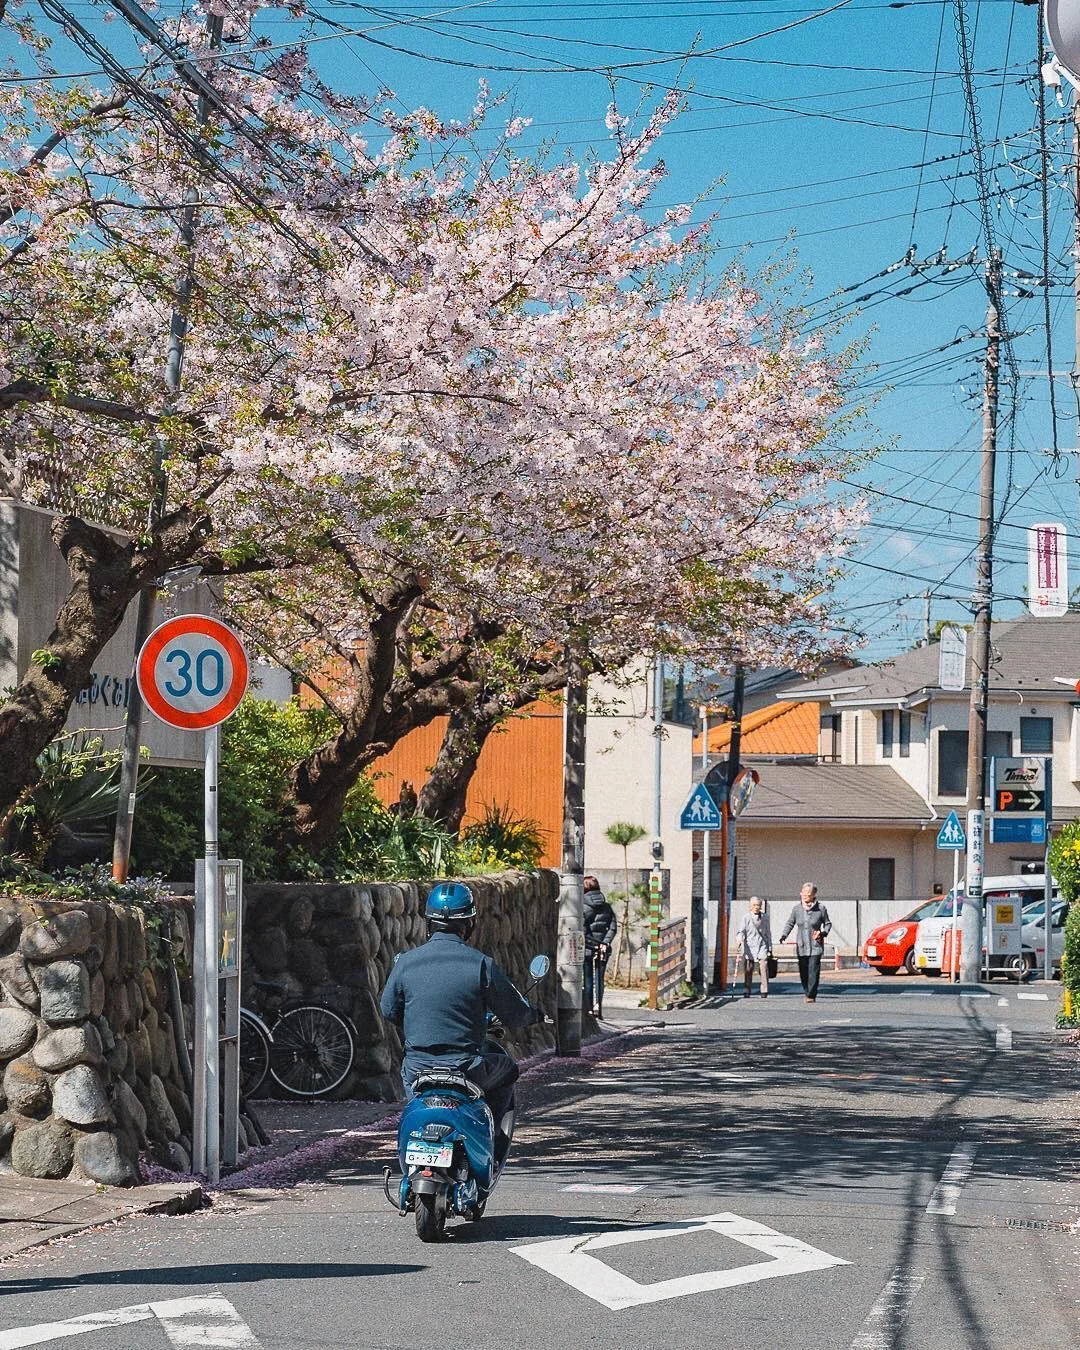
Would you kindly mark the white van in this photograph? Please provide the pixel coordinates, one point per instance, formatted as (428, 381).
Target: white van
(929, 937)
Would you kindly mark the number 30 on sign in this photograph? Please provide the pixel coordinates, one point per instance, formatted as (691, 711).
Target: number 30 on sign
(192, 672)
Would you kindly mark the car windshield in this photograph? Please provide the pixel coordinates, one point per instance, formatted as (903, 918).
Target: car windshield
(929, 910)
(944, 908)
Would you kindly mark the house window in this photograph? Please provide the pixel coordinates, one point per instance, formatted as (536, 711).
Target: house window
(830, 738)
(887, 718)
(905, 735)
(952, 758)
(881, 883)
(1036, 735)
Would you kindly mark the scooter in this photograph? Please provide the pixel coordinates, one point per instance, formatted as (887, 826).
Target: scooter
(446, 1145)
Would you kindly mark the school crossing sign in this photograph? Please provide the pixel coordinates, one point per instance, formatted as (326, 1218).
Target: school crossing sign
(951, 835)
(701, 811)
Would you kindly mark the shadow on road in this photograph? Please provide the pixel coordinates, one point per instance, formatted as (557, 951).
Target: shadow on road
(185, 1277)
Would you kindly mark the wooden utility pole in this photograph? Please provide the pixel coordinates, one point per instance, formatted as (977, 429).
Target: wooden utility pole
(571, 952)
(971, 925)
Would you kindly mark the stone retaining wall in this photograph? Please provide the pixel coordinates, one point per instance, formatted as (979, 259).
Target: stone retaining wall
(337, 944)
(90, 1076)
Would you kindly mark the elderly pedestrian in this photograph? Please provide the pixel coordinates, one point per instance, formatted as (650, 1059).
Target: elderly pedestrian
(811, 923)
(754, 942)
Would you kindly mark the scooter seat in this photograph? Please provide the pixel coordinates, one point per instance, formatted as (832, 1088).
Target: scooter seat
(446, 1079)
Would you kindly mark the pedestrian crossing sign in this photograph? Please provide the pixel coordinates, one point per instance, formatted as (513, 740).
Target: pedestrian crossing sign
(701, 811)
(951, 835)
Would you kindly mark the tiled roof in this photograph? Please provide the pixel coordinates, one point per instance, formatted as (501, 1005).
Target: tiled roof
(834, 792)
(779, 729)
(1026, 654)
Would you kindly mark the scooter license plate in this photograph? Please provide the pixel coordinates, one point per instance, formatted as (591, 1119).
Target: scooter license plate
(421, 1155)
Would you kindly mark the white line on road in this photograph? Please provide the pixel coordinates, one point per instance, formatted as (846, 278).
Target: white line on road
(957, 1170)
(916, 993)
(209, 1320)
(603, 1187)
(570, 1260)
(1003, 1002)
(1042, 998)
(1003, 1040)
(889, 1313)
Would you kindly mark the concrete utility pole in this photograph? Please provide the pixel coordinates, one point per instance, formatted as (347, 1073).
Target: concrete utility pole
(727, 833)
(144, 619)
(571, 951)
(971, 923)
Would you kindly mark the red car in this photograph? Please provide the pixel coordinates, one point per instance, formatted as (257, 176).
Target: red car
(892, 945)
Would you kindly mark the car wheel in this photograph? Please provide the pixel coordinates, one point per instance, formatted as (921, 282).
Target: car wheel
(1020, 967)
(887, 970)
(909, 961)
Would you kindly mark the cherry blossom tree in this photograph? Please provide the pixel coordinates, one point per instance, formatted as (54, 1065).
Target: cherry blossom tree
(430, 399)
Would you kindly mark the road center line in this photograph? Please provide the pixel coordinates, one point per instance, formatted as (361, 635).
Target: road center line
(1003, 1040)
(1042, 998)
(889, 1313)
(957, 1170)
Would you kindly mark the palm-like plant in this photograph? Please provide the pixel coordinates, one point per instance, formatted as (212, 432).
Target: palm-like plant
(622, 833)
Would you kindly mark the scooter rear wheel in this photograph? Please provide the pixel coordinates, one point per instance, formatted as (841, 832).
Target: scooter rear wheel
(430, 1219)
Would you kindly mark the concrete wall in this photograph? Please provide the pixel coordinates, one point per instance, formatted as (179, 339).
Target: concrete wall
(620, 784)
(87, 1052)
(337, 943)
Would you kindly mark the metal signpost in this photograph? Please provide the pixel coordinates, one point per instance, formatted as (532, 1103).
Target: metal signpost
(951, 837)
(700, 812)
(192, 673)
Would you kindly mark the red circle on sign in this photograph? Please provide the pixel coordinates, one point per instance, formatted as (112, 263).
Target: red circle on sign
(157, 701)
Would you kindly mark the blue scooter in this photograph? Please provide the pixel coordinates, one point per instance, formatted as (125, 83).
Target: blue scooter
(446, 1145)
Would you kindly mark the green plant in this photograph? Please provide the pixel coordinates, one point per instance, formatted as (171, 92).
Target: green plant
(622, 833)
(1064, 859)
(46, 659)
(514, 841)
(78, 785)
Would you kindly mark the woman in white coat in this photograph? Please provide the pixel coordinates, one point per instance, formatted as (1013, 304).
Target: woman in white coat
(754, 939)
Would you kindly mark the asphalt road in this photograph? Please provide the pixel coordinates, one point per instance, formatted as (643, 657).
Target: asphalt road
(878, 1170)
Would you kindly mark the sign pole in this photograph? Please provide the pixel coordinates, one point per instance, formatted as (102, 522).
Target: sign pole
(1048, 885)
(656, 897)
(209, 952)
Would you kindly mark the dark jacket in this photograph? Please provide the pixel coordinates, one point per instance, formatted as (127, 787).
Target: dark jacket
(439, 994)
(806, 922)
(600, 922)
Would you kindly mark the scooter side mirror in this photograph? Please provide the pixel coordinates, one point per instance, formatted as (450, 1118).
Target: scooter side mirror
(539, 967)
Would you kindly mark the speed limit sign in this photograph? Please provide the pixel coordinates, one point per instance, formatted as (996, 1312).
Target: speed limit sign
(192, 672)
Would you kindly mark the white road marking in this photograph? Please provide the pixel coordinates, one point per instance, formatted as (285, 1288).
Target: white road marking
(947, 1191)
(1041, 998)
(1003, 1040)
(835, 1022)
(889, 1313)
(208, 1320)
(607, 1187)
(1003, 1002)
(916, 993)
(570, 1260)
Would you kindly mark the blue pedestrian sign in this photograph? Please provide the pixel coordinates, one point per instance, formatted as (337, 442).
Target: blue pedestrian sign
(700, 811)
(951, 835)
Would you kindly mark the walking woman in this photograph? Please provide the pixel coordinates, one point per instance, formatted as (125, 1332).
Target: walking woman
(754, 939)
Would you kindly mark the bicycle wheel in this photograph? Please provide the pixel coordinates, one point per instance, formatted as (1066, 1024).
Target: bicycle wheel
(254, 1054)
(312, 1050)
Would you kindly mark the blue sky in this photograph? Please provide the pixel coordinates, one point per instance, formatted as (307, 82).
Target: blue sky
(844, 143)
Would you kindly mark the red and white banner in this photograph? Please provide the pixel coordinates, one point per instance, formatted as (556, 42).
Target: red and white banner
(1048, 571)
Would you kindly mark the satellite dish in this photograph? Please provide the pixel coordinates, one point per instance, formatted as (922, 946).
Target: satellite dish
(1063, 27)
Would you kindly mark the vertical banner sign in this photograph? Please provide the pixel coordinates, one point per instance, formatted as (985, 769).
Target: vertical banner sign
(1048, 571)
(973, 883)
(192, 673)
(952, 658)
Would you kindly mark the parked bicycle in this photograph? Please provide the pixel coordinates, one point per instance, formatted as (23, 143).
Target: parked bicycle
(307, 1048)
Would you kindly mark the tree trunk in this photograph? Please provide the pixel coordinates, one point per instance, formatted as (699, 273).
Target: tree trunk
(443, 795)
(106, 574)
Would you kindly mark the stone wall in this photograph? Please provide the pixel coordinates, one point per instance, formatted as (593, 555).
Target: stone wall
(90, 1076)
(337, 944)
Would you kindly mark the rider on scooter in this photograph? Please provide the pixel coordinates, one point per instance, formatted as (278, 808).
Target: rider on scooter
(440, 995)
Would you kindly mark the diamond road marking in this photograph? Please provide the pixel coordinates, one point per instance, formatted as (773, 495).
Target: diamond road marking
(208, 1320)
(570, 1260)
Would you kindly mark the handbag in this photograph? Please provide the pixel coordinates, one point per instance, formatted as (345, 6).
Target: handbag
(772, 965)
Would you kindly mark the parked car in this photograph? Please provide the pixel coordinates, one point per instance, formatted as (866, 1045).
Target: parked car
(891, 945)
(1032, 958)
(1028, 890)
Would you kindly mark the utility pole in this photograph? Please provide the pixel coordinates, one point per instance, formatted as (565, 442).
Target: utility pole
(144, 618)
(727, 832)
(1075, 373)
(926, 619)
(571, 940)
(971, 924)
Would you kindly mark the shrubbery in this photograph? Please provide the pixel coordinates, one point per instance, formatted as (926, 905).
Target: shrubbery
(1065, 865)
